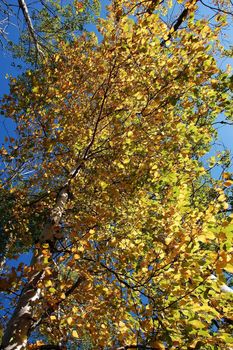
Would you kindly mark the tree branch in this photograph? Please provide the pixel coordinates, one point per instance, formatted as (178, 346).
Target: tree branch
(177, 23)
(24, 8)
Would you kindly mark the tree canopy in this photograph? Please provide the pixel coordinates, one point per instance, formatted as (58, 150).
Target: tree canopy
(131, 234)
(40, 25)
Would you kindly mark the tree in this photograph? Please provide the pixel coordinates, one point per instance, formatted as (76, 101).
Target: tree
(131, 235)
(42, 24)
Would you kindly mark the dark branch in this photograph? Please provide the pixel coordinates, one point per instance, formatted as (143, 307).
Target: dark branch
(217, 9)
(177, 24)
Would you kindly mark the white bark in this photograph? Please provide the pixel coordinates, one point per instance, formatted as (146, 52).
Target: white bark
(5, 252)
(16, 334)
(24, 8)
(22, 321)
(19, 326)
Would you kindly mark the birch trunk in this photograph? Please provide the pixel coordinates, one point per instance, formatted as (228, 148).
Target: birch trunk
(31, 30)
(22, 321)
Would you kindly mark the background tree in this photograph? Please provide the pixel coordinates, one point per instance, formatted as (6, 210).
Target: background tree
(133, 235)
(41, 25)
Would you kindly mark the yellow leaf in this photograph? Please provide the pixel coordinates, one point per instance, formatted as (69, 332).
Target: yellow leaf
(69, 320)
(63, 296)
(228, 183)
(35, 89)
(126, 161)
(229, 268)
(222, 198)
(197, 324)
(48, 283)
(75, 334)
(121, 324)
(56, 58)
(103, 185)
(45, 245)
(4, 151)
(81, 248)
(75, 309)
(226, 176)
(210, 235)
(144, 270)
(48, 272)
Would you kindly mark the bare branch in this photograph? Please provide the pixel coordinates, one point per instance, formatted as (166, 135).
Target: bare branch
(24, 8)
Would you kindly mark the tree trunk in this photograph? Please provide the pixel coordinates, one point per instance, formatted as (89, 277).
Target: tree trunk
(22, 321)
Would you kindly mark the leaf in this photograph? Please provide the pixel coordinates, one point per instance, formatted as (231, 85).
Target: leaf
(81, 248)
(228, 183)
(197, 324)
(75, 334)
(229, 267)
(222, 198)
(103, 185)
(158, 345)
(48, 283)
(35, 89)
(52, 290)
(226, 176)
(69, 320)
